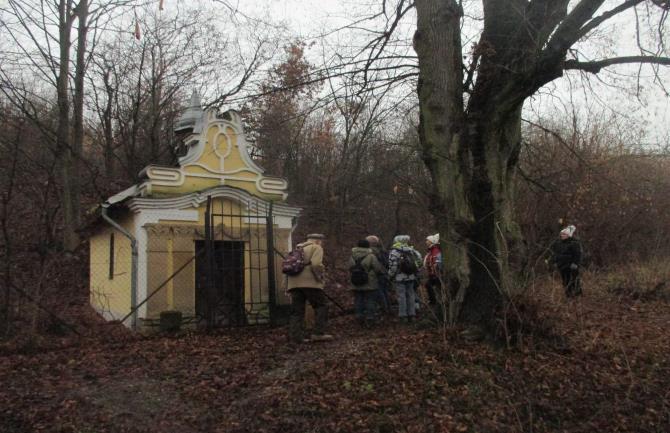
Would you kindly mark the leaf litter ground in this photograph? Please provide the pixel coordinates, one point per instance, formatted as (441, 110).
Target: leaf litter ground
(610, 373)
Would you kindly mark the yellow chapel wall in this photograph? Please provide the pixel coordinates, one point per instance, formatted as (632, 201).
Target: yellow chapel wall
(111, 296)
(171, 245)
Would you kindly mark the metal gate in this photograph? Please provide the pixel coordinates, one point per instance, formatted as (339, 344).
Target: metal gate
(235, 267)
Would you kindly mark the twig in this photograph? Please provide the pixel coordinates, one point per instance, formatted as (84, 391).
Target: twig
(53, 315)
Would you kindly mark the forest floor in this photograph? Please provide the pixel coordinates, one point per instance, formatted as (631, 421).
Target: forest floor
(599, 364)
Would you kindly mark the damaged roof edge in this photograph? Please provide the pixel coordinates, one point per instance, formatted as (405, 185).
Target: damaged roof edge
(126, 193)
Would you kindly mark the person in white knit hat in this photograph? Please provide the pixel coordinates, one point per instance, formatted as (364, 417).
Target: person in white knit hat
(432, 263)
(567, 256)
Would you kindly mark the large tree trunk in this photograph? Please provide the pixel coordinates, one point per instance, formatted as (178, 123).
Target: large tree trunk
(492, 233)
(471, 155)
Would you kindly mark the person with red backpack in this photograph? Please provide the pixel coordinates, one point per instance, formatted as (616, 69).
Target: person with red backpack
(305, 284)
(404, 264)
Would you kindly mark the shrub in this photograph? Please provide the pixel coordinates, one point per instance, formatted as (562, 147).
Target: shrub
(639, 281)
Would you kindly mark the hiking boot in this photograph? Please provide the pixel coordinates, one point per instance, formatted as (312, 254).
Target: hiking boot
(321, 337)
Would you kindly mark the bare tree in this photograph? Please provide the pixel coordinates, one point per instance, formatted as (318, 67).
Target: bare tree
(139, 85)
(27, 208)
(478, 63)
(9, 183)
(347, 154)
(471, 125)
(43, 34)
(598, 174)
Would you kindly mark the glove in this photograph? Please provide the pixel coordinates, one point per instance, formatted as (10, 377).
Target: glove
(574, 266)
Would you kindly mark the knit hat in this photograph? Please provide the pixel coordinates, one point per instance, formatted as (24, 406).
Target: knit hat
(401, 239)
(363, 243)
(374, 240)
(569, 231)
(316, 236)
(433, 239)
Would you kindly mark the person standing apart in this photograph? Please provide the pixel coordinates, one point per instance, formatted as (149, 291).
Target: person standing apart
(404, 263)
(567, 256)
(307, 286)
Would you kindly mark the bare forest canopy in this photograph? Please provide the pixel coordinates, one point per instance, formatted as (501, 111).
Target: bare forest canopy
(405, 117)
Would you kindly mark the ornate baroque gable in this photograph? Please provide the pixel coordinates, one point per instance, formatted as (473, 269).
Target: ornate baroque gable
(217, 154)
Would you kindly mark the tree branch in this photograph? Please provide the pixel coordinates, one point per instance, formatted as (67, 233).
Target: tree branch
(605, 16)
(596, 66)
(567, 33)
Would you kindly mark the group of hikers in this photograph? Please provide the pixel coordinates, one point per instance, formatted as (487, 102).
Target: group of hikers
(374, 271)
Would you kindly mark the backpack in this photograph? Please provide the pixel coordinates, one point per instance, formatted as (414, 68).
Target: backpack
(359, 276)
(294, 262)
(407, 264)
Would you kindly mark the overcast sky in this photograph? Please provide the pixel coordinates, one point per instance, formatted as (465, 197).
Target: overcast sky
(643, 102)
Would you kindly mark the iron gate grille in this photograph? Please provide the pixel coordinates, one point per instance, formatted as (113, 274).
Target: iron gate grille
(235, 267)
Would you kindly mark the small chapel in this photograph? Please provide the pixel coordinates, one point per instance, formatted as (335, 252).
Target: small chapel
(201, 241)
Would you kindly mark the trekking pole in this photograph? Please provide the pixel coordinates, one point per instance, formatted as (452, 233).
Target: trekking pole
(337, 304)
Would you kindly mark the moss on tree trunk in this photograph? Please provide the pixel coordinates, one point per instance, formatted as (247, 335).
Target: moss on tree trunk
(471, 155)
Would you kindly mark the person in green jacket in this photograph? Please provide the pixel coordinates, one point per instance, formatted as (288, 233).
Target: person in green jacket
(364, 268)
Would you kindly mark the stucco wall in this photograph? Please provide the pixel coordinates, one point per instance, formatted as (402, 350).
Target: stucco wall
(166, 235)
(171, 244)
(170, 250)
(111, 296)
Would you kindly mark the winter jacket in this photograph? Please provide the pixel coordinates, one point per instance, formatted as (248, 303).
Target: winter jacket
(370, 264)
(382, 257)
(394, 262)
(433, 261)
(312, 275)
(566, 252)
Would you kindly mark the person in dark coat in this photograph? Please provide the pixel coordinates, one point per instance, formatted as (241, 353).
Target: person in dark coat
(567, 256)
